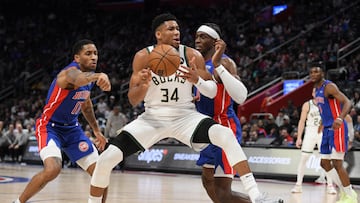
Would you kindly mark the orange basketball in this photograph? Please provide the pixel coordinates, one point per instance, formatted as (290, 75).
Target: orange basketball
(164, 60)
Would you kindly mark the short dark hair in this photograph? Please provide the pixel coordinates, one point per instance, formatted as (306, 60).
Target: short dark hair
(78, 46)
(319, 64)
(215, 27)
(160, 19)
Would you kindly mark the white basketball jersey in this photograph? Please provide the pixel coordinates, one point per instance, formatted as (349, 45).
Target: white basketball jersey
(171, 91)
(313, 117)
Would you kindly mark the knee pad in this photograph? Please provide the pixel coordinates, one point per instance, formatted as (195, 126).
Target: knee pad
(108, 159)
(224, 138)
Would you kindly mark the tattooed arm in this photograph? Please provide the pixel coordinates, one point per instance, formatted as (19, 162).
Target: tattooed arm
(73, 78)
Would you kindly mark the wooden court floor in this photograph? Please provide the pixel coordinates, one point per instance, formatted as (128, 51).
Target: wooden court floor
(72, 186)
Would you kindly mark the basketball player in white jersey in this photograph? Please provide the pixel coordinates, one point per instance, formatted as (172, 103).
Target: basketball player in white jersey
(310, 116)
(170, 112)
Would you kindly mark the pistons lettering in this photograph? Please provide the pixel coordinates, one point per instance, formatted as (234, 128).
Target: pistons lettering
(81, 95)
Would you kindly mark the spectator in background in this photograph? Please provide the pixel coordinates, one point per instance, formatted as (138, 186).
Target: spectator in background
(286, 124)
(115, 122)
(357, 123)
(260, 128)
(355, 100)
(101, 108)
(271, 128)
(284, 138)
(4, 144)
(20, 143)
(11, 138)
(280, 118)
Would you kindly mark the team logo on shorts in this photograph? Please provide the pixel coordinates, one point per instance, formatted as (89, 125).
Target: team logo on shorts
(83, 146)
(8, 179)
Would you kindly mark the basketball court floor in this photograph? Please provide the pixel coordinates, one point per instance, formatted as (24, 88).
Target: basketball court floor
(72, 186)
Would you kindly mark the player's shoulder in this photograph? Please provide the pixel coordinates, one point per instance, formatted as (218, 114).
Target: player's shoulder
(191, 51)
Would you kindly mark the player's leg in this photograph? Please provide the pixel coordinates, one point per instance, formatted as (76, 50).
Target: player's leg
(207, 162)
(223, 178)
(51, 156)
(307, 149)
(207, 178)
(226, 194)
(119, 147)
(300, 173)
(209, 131)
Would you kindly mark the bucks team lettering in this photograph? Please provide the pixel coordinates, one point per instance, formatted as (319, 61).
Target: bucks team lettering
(172, 78)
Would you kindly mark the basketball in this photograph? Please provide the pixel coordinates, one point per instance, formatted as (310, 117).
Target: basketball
(164, 60)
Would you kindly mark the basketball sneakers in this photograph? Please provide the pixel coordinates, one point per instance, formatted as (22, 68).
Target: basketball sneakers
(297, 189)
(347, 198)
(264, 198)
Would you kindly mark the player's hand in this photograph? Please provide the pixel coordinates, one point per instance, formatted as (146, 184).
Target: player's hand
(103, 82)
(100, 141)
(144, 76)
(337, 124)
(220, 47)
(189, 73)
(298, 143)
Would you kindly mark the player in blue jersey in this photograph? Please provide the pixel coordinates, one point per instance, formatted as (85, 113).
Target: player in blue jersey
(333, 106)
(58, 128)
(217, 173)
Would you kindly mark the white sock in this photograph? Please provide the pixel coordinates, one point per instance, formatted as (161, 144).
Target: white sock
(17, 201)
(93, 199)
(348, 190)
(329, 180)
(250, 186)
(301, 168)
(335, 178)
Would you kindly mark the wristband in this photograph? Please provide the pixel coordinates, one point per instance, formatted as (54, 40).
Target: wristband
(340, 119)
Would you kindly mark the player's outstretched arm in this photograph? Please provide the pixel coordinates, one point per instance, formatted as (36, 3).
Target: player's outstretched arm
(73, 78)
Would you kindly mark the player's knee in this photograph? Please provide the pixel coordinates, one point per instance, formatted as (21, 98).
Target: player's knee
(51, 170)
(338, 164)
(110, 157)
(325, 164)
(220, 135)
(207, 180)
(223, 194)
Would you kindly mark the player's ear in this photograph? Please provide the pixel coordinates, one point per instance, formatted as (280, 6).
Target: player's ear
(77, 58)
(158, 34)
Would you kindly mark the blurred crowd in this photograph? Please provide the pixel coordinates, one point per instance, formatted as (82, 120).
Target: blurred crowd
(35, 43)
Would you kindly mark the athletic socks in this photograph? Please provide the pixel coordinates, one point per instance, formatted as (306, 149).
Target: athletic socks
(17, 201)
(335, 178)
(93, 199)
(250, 186)
(301, 168)
(348, 190)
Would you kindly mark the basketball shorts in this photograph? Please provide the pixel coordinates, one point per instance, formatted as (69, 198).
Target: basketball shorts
(334, 139)
(152, 126)
(311, 139)
(71, 139)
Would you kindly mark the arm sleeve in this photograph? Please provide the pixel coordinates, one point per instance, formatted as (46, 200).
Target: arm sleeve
(233, 86)
(207, 88)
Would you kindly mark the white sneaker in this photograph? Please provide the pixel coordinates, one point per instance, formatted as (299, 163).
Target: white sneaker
(297, 189)
(320, 180)
(264, 198)
(330, 189)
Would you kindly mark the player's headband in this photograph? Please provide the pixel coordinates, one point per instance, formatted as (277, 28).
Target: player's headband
(208, 30)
